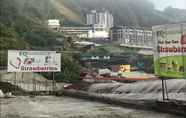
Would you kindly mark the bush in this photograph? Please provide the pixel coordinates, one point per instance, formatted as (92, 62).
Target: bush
(70, 71)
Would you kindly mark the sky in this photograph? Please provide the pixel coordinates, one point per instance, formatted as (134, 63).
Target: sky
(161, 4)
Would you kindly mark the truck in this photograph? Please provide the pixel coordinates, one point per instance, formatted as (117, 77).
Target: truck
(170, 50)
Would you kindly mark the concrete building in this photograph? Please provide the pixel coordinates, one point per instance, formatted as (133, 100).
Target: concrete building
(99, 32)
(92, 17)
(104, 19)
(86, 32)
(54, 24)
(101, 23)
(98, 26)
(132, 36)
(81, 32)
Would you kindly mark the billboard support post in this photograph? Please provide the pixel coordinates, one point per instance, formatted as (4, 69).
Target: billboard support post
(166, 90)
(53, 81)
(163, 89)
(22, 81)
(165, 94)
(33, 83)
(15, 83)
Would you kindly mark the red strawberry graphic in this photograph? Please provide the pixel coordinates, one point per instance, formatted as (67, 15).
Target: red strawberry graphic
(28, 61)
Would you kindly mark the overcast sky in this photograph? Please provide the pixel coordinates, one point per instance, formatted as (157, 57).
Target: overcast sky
(161, 4)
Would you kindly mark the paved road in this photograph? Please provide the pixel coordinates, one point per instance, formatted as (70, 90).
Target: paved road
(65, 107)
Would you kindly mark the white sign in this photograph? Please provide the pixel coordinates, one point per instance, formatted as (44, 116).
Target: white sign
(53, 22)
(33, 61)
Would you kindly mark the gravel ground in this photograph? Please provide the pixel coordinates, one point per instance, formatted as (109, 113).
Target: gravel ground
(65, 107)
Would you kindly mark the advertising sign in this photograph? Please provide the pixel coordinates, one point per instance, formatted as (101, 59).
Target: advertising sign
(125, 68)
(33, 61)
(170, 56)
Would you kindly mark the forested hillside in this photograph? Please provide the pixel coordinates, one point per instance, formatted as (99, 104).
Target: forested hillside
(15, 26)
(25, 21)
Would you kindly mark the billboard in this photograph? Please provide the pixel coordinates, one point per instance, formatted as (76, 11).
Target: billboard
(170, 55)
(33, 61)
(125, 68)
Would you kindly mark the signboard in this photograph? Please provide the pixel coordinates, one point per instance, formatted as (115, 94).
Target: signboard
(170, 56)
(53, 22)
(125, 68)
(33, 61)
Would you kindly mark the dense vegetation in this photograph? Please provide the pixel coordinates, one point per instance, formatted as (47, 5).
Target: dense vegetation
(26, 26)
(70, 70)
(121, 55)
(10, 39)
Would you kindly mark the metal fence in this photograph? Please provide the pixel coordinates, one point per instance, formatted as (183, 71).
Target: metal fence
(28, 82)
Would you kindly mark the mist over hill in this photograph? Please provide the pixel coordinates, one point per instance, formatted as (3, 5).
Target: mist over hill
(126, 12)
(132, 12)
(175, 14)
(70, 12)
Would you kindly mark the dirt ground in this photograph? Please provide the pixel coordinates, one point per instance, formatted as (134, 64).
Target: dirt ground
(65, 107)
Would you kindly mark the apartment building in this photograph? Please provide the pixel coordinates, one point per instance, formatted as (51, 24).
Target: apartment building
(104, 19)
(132, 36)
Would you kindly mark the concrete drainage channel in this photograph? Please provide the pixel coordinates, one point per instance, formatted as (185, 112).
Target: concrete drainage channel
(38, 116)
(34, 116)
(57, 107)
(148, 105)
(171, 107)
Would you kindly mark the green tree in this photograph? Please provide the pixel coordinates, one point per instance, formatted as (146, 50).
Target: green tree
(70, 70)
(9, 39)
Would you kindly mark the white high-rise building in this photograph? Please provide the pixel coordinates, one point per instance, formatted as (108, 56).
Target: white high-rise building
(104, 19)
(92, 18)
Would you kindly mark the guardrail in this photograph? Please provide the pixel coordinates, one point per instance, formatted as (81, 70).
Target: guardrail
(28, 85)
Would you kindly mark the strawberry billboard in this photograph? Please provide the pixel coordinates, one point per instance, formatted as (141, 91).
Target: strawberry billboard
(33, 61)
(170, 54)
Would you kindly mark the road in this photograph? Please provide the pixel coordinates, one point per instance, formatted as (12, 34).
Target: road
(65, 107)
